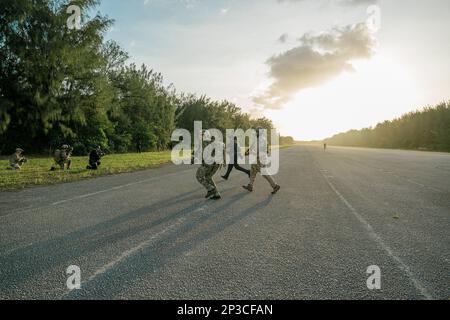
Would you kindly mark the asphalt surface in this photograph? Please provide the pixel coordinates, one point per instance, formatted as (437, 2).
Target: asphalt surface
(152, 235)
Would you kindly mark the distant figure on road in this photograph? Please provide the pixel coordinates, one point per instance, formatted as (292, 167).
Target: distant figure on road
(324, 147)
(256, 168)
(17, 160)
(94, 158)
(235, 165)
(206, 173)
(62, 158)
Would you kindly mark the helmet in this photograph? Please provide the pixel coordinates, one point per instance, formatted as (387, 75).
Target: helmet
(19, 150)
(65, 146)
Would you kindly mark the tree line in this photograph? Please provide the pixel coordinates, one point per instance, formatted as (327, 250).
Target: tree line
(61, 86)
(426, 129)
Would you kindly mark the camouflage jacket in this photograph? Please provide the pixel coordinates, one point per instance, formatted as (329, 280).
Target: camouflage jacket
(16, 159)
(206, 144)
(62, 155)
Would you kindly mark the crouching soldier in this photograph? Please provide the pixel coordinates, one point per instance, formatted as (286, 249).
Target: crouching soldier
(62, 158)
(17, 160)
(94, 158)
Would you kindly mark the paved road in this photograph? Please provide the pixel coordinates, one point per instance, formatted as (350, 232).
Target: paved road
(151, 235)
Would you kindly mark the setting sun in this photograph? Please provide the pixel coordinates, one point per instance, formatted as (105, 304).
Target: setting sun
(378, 89)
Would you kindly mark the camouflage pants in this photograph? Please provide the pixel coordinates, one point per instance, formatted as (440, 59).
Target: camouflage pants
(14, 166)
(254, 170)
(205, 176)
(62, 163)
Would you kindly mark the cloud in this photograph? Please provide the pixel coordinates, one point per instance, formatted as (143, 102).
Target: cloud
(283, 38)
(317, 60)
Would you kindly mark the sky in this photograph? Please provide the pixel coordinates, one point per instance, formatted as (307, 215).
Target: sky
(315, 67)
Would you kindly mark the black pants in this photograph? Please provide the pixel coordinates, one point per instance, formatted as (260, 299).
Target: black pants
(237, 167)
(93, 165)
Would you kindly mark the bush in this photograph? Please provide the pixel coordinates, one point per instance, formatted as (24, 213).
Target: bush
(427, 129)
(79, 149)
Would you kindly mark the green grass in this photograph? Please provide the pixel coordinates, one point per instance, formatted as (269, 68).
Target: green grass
(37, 170)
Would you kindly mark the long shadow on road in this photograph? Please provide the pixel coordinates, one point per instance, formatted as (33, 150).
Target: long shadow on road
(34, 259)
(20, 265)
(162, 251)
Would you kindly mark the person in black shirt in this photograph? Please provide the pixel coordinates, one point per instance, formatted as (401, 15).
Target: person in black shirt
(94, 159)
(235, 165)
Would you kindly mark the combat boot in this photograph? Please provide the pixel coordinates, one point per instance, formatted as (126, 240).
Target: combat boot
(217, 196)
(276, 189)
(210, 193)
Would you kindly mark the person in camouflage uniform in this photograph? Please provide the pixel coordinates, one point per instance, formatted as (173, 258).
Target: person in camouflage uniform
(206, 173)
(62, 158)
(256, 168)
(16, 160)
(205, 176)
